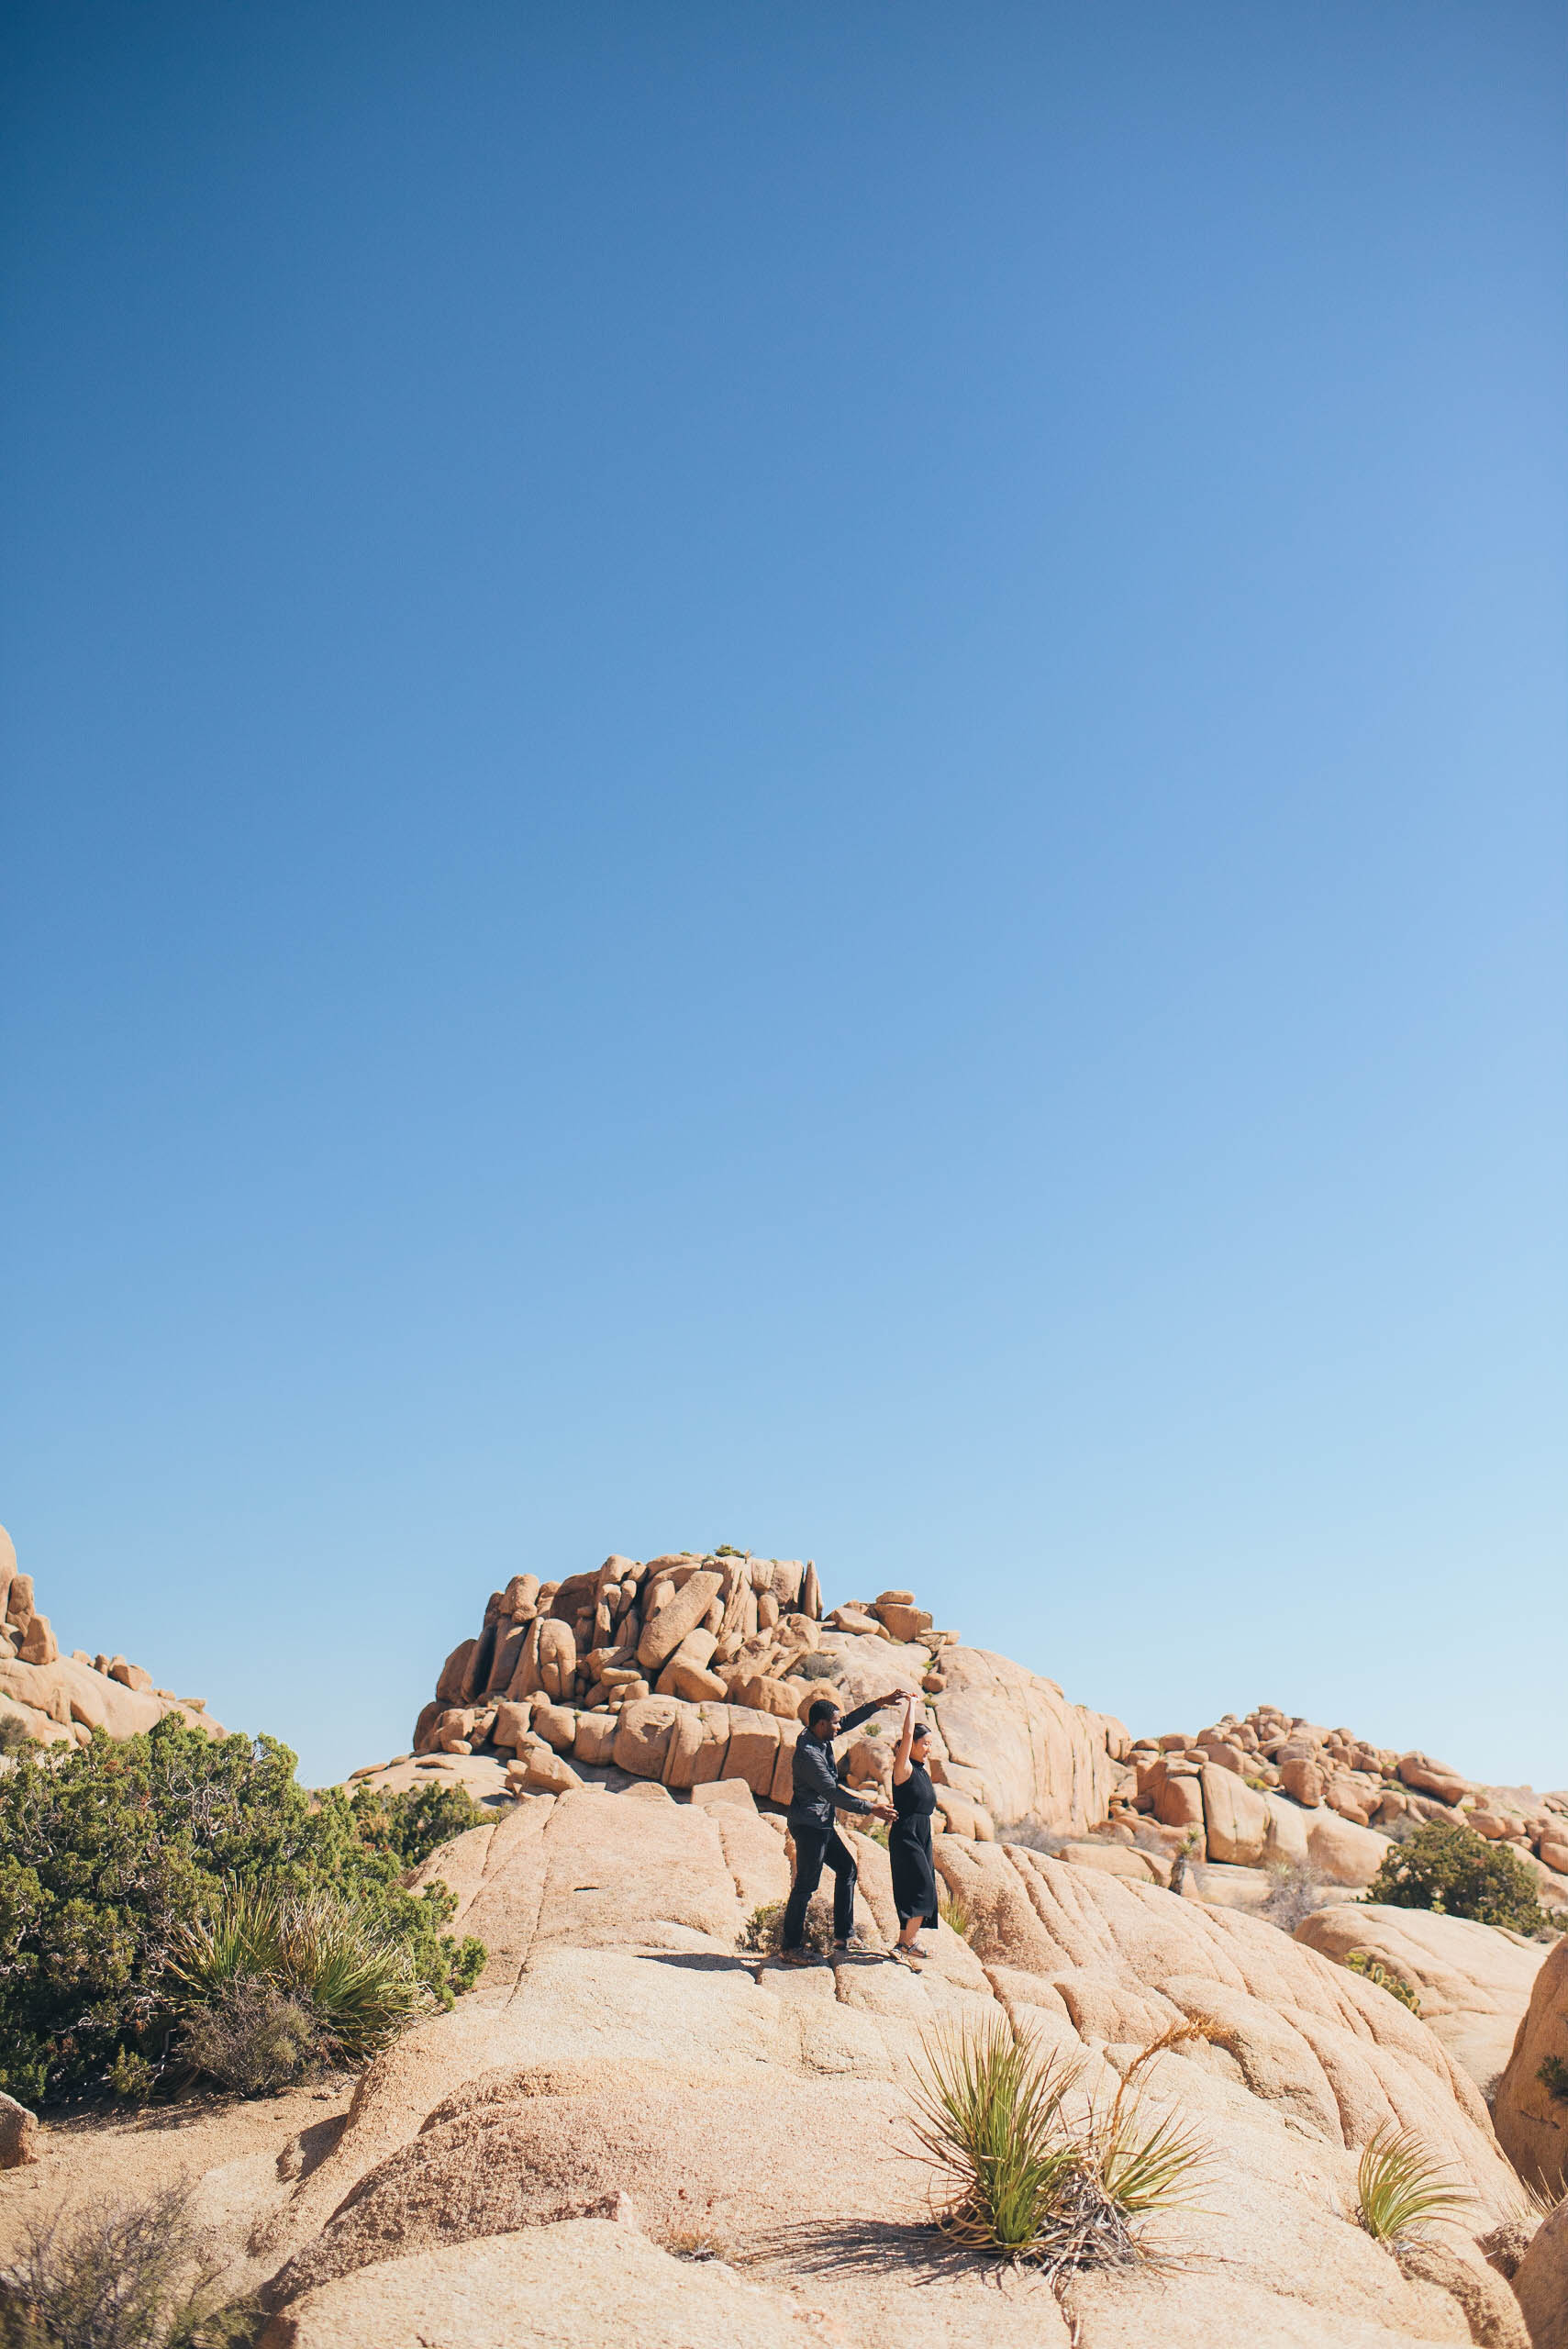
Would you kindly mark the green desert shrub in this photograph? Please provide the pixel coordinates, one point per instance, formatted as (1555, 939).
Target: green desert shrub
(1401, 2188)
(1457, 1873)
(1032, 2171)
(763, 1929)
(112, 1853)
(120, 2275)
(1553, 2077)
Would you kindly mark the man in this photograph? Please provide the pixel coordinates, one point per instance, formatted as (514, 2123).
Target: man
(817, 1794)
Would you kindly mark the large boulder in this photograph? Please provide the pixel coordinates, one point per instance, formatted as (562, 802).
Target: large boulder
(1236, 1817)
(1029, 1753)
(584, 2281)
(19, 2134)
(664, 1631)
(1541, 2282)
(1343, 1852)
(1474, 1982)
(1531, 2106)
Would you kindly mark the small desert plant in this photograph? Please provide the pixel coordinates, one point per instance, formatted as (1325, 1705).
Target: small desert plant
(1184, 1859)
(272, 1983)
(1457, 1873)
(1293, 1893)
(252, 2036)
(1032, 1835)
(1029, 2181)
(989, 2108)
(763, 1929)
(15, 1734)
(1400, 2188)
(1553, 2077)
(815, 1666)
(1372, 1969)
(120, 2275)
(875, 1830)
(953, 1910)
(131, 2077)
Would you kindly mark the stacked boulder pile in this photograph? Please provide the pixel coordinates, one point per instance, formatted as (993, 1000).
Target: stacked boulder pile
(1277, 1786)
(59, 1700)
(695, 1667)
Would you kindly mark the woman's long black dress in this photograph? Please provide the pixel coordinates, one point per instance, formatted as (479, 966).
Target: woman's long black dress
(909, 1848)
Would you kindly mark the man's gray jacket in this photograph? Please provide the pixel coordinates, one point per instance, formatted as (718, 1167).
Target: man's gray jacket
(818, 1792)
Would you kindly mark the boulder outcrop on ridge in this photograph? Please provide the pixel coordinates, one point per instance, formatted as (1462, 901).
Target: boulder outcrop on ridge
(1233, 1779)
(691, 1669)
(58, 1699)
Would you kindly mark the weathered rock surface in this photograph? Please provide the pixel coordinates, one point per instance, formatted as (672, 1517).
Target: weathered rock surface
(551, 2287)
(620, 2045)
(1540, 2283)
(19, 2134)
(1531, 2106)
(1474, 1981)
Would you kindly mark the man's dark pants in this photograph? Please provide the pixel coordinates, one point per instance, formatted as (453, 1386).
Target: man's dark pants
(815, 1848)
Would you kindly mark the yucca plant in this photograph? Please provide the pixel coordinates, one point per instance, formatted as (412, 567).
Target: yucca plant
(1029, 2180)
(1401, 2188)
(987, 2111)
(279, 1980)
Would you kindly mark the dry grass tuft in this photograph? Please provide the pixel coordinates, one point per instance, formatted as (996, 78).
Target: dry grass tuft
(953, 1910)
(1401, 2188)
(120, 2275)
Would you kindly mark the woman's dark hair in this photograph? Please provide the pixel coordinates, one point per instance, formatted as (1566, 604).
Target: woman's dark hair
(920, 1730)
(823, 1710)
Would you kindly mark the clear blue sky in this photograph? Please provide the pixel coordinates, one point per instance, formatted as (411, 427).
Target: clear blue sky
(792, 776)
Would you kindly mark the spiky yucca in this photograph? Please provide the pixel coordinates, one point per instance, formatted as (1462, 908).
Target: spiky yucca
(1402, 2187)
(321, 1955)
(1028, 2179)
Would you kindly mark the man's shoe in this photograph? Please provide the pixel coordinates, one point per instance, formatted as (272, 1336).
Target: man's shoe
(796, 1957)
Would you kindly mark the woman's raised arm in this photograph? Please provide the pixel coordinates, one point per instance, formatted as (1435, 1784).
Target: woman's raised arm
(906, 1740)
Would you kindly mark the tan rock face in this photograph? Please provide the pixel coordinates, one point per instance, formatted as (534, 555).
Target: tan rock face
(1474, 1983)
(1540, 2283)
(1235, 1818)
(664, 1631)
(1302, 1780)
(1345, 1853)
(617, 2048)
(1532, 2118)
(1178, 1799)
(584, 2281)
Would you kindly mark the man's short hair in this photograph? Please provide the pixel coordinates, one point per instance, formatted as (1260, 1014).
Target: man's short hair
(822, 1711)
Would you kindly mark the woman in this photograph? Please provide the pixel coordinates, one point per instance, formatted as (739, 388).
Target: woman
(909, 1837)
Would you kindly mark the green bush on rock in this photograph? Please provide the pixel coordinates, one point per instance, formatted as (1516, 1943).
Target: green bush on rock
(113, 1855)
(1457, 1873)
